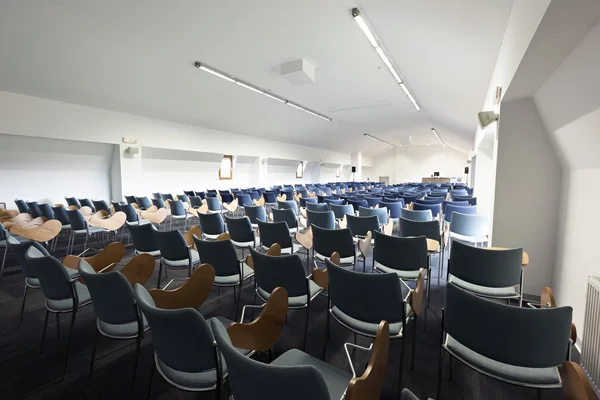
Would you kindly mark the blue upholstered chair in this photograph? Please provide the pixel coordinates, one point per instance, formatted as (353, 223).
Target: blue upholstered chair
(436, 209)
(381, 213)
(24, 209)
(178, 212)
(393, 208)
(277, 232)
(288, 204)
(451, 209)
(143, 239)
(322, 207)
(174, 253)
(304, 201)
(462, 203)
(143, 202)
(214, 205)
(241, 233)
(212, 225)
(413, 215)
(80, 227)
(34, 209)
(256, 213)
(327, 241)
(357, 203)
(159, 203)
(325, 219)
(288, 216)
(468, 228)
(87, 203)
(339, 211)
(71, 201)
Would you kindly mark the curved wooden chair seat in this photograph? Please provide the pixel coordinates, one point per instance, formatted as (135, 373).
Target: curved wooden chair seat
(156, 217)
(343, 223)
(432, 245)
(19, 218)
(282, 197)
(259, 202)
(274, 250)
(389, 227)
(106, 260)
(312, 195)
(8, 214)
(139, 269)
(576, 385)
(303, 221)
(135, 205)
(223, 236)
(43, 233)
(192, 293)
(85, 210)
(415, 297)
(203, 209)
(321, 276)
(151, 209)
(364, 245)
(262, 333)
(231, 207)
(74, 208)
(297, 197)
(189, 236)
(305, 239)
(342, 190)
(112, 224)
(370, 384)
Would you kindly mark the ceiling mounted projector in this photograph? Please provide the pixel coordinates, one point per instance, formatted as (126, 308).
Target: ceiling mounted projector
(487, 117)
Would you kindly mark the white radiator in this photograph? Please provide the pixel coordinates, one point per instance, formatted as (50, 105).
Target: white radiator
(590, 347)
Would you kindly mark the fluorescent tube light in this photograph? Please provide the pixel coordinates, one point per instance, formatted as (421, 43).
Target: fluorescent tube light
(379, 140)
(438, 137)
(257, 90)
(387, 60)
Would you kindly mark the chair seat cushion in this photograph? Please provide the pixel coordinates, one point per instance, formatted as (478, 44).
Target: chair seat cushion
(65, 227)
(294, 301)
(288, 250)
(193, 381)
(182, 263)
(336, 379)
(343, 261)
(369, 328)
(127, 330)
(211, 236)
(406, 275)
(500, 292)
(33, 282)
(356, 239)
(244, 244)
(83, 295)
(2, 243)
(155, 253)
(467, 239)
(180, 216)
(525, 375)
(230, 280)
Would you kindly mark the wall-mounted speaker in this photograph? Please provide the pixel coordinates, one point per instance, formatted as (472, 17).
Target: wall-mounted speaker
(466, 170)
(353, 169)
(436, 174)
(132, 150)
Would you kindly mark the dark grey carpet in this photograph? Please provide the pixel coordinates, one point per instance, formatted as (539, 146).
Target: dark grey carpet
(25, 374)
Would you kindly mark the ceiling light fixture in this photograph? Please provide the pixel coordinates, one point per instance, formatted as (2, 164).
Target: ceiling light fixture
(437, 136)
(257, 90)
(372, 37)
(379, 140)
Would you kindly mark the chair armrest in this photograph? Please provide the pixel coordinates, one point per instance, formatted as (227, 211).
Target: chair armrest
(189, 236)
(346, 346)
(262, 333)
(305, 239)
(321, 277)
(191, 294)
(111, 254)
(365, 244)
(415, 297)
(576, 385)
(139, 269)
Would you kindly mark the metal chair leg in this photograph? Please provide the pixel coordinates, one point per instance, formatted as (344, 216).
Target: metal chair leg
(306, 324)
(412, 363)
(159, 274)
(23, 305)
(401, 361)
(3, 261)
(440, 371)
(74, 313)
(151, 378)
(138, 341)
(57, 326)
(44, 332)
(93, 355)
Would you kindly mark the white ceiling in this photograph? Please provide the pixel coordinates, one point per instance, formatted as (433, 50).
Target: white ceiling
(137, 56)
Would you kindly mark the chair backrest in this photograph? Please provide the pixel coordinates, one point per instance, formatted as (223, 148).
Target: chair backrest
(189, 193)
(436, 209)
(381, 213)
(76, 220)
(52, 275)
(409, 199)
(87, 203)
(20, 248)
(177, 207)
(339, 211)
(543, 336)
(400, 253)
(328, 241)
(357, 203)
(393, 200)
(306, 200)
(71, 201)
(34, 209)
(131, 199)
(286, 215)
(143, 237)
(270, 197)
(159, 203)
(445, 203)
(244, 200)
(195, 202)
(143, 202)
(214, 204)
(451, 209)
(61, 214)
(201, 194)
(131, 214)
(156, 195)
(22, 206)
(366, 297)
(275, 232)
(288, 205)
(250, 379)
(359, 226)
(485, 267)
(286, 271)
(469, 225)
(181, 338)
(472, 200)
(111, 293)
(220, 254)
(172, 245)
(46, 210)
(322, 197)
(431, 199)
(167, 196)
(212, 224)
(331, 202)
(101, 205)
(393, 208)
(373, 201)
(256, 213)
(324, 219)
(429, 229)
(322, 207)
(240, 229)
(414, 215)
(183, 197)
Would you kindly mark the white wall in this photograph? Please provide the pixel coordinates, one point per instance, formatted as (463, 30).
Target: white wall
(47, 170)
(383, 165)
(413, 163)
(528, 179)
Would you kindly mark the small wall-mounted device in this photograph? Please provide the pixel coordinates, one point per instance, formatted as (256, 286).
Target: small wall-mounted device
(487, 117)
(129, 140)
(353, 169)
(436, 174)
(132, 150)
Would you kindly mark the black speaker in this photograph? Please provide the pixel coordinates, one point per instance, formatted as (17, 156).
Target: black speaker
(436, 174)
(353, 169)
(466, 170)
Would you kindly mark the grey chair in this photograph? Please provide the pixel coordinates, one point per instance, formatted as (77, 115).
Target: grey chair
(468, 228)
(130, 199)
(381, 213)
(322, 219)
(520, 346)
(101, 205)
(361, 225)
(174, 253)
(429, 229)
(117, 315)
(195, 201)
(288, 216)
(18, 249)
(214, 205)
(185, 353)
(229, 271)
(241, 233)
(143, 202)
(80, 227)
(85, 202)
(256, 213)
(71, 201)
(296, 375)
(359, 301)
(60, 213)
(277, 232)
(212, 225)
(167, 196)
(159, 203)
(436, 209)
(34, 209)
(22, 206)
(416, 215)
(62, 290)
(322, 207)
(341, 210)
(178, 212)
(328, 241)
(46, 210)
(286, 271)
(491, 273)
(143, 239)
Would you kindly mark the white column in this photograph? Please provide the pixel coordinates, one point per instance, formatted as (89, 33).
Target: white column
(356, 161)
(132, 178)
